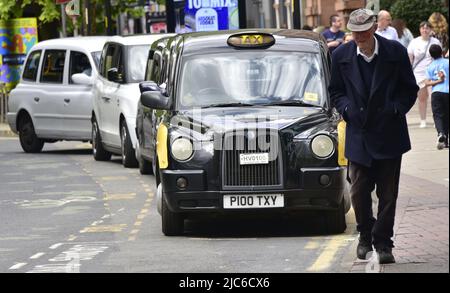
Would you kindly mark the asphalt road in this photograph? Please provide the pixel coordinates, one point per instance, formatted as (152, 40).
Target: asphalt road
(60, 211)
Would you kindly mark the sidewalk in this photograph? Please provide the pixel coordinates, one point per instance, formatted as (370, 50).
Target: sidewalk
(422, 219)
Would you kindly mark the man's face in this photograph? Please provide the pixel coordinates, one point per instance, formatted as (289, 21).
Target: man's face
(337, 23)
(363, 39)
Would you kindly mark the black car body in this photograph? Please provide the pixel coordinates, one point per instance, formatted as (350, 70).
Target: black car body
(240, 121)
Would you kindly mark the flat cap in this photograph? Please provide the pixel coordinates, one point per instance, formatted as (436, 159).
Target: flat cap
(361, 20)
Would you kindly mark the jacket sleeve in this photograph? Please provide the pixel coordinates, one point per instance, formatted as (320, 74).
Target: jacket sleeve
(407, 90)
(337, 91)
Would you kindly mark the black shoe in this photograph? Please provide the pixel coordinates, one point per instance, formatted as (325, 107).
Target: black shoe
(385, 255)
(440, 144)
(363, 249)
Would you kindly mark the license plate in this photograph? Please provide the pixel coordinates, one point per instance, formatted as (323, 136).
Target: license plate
(253, 201)
(254, 159)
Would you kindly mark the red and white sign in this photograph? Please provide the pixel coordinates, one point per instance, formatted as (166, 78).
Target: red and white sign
(62, 1)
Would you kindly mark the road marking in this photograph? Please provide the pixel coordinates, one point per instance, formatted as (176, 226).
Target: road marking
(312, 245)
(325, 259)
(113, 178)
(119, 196)
(135, 231)
(144, 211)
(132, 238)
(37, 255)
(54, 246)
(96, 223)
(104, 228)
(138, 223)
(72, 238)
(18, 266)
(141, 217)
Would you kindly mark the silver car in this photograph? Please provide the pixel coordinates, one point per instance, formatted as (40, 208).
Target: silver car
(53, 100)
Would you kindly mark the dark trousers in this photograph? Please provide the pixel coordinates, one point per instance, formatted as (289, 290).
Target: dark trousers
(439, 105)
(385, 175)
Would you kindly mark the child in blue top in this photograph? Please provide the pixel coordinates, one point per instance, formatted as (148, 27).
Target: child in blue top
(437, 75)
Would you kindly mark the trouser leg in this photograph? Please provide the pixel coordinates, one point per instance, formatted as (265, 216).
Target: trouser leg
(387, 177)
(361, 188)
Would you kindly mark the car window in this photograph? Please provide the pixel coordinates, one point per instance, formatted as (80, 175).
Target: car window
(136, 63)
(79, 63)
(107, 62)
(53, 68)
(96, 56)
(252, 77)
(155, 72)
(31, 66)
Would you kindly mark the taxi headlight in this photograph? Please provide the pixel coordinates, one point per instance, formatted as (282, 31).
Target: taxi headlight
(322, 146)
(182, 149)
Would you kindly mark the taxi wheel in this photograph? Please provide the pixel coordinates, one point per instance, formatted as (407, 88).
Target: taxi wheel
(100, 154)
(128, 154)
(172, 223)
(28, 140)
(335, 220)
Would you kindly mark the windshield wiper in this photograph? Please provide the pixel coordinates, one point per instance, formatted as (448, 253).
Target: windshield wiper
(292, 103)
(229, 105)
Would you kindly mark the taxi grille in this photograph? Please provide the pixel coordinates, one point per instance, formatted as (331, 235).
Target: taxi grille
(255, 176)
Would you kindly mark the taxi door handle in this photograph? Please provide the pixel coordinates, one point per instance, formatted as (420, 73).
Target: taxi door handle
(67, 101)
(36, 99)
(106, 99)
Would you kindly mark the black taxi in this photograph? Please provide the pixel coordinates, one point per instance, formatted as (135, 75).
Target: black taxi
(241, 122)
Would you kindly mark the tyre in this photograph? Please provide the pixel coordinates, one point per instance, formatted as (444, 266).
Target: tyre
(172, 223)
(100, 154)
(28, 140)
(128, 153)
(335, 220)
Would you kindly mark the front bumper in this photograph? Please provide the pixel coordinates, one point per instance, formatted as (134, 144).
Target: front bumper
(11, 118)
(196, 198)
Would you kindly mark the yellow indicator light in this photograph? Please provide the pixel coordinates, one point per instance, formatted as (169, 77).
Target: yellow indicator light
(161, 146)
(342, 160)
(251, 40)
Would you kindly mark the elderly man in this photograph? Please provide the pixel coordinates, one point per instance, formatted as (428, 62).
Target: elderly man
(384, 26)
(373, 87)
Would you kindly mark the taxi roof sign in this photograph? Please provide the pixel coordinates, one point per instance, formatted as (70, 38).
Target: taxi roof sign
(251, 40)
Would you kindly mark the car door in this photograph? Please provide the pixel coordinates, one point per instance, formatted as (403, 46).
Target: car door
(50, 95)
(78, 101)
(107, 97)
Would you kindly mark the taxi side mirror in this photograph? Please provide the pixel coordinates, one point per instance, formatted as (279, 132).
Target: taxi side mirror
(114, 75)
(155, 100)
(148, 86)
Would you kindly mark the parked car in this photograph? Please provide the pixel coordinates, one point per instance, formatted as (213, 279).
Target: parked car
(240, 122)
(53, 100)
(116, 92)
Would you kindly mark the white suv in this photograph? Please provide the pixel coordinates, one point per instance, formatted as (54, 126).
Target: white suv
(53, 100)
(116, 96)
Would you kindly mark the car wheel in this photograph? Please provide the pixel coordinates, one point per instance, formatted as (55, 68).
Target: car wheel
(100, 154)
(128, 153)
(335, 220)
(172, 223)
(28, 140)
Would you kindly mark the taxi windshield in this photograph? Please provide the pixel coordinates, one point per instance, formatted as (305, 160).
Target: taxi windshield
(252, 78)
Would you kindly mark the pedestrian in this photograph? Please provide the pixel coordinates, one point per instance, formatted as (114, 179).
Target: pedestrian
(334, 35)
(384, 26)
(348, 37)
(373, 87)
(405, 36)
(437, 78)
(440, 29)
(420, 59)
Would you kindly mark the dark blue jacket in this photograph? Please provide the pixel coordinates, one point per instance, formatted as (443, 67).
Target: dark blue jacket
(376, 121)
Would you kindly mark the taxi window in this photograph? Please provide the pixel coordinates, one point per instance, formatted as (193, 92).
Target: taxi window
(252, 77)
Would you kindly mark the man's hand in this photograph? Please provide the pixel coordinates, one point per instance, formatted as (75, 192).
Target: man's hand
(333, 44)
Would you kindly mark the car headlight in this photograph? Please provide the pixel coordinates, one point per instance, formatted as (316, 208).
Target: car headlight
(182, 149)
(322, 146)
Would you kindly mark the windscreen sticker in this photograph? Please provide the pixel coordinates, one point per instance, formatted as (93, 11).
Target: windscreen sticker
(312, 97)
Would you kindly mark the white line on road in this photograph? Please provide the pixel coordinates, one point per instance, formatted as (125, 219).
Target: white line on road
(54, 246)
(18, 266)
(37, 255)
